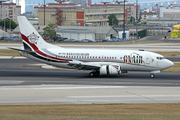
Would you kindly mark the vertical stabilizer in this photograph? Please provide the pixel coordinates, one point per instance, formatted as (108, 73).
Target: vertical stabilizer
(30, 36)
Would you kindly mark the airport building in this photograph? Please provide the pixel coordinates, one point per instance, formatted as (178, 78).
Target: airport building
(83, 32)
(71, 14)
(9, 10)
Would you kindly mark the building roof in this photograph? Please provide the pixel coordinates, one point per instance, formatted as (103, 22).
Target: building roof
(84, 28)
(163, 19)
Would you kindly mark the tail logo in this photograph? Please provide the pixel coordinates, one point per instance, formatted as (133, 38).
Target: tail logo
(33, 38)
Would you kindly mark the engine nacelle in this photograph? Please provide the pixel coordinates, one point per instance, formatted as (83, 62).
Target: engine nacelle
(110, 69)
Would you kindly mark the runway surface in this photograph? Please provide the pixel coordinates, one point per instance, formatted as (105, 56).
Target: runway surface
(24, 82)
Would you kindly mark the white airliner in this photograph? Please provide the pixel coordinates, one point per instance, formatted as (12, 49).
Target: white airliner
(100, 62)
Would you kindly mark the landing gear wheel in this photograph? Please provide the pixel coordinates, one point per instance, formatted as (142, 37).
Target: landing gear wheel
(91, 74)
(152, 75)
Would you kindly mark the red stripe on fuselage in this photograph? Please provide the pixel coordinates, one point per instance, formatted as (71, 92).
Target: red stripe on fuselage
(39, 52)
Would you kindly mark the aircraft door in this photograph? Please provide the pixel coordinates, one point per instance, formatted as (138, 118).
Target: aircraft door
(148, 59)
(102, 58)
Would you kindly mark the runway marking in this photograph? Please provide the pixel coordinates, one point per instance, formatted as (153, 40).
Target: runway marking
(62, 88)
(121, 96)
(10, 82)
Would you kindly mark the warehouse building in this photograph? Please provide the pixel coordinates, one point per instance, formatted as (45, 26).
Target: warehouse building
(81, 32)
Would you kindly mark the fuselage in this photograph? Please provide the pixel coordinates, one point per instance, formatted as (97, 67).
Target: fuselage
(129, 60)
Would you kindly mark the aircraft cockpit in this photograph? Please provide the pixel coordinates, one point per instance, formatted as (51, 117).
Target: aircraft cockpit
(160, 58)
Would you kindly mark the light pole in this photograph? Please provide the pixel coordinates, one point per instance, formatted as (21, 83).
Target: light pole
(136, 18)
(101, 12)
(124, 34)
(44, 12)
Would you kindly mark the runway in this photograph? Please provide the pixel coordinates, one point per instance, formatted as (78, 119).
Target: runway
(24, 82)
(27, 82)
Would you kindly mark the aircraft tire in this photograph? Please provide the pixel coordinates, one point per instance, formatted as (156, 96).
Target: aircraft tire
(152, 75)
(91, 74)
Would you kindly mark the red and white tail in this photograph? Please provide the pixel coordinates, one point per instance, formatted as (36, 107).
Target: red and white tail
(32, 40)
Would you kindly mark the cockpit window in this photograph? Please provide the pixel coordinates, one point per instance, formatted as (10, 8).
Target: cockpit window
(160, 58)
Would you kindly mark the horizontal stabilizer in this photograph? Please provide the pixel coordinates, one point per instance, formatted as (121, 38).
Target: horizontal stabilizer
(27, 51)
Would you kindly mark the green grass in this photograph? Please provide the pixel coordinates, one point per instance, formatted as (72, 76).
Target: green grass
(92, 112)
(9, 52)
(168, 54)
(175, 68)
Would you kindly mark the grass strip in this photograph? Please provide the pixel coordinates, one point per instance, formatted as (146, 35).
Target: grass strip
(169, 111)
(168, 54)
(4, 52)
(175, 68)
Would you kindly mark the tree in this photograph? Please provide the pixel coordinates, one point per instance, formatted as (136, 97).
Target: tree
(140, 17)
(132, 19)
(112, 19)
(8, 24)
(49, 31)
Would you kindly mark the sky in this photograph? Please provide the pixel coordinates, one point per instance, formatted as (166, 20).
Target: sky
(148, 3)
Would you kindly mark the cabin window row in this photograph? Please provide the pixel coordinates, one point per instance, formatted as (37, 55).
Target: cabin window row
(90, 57)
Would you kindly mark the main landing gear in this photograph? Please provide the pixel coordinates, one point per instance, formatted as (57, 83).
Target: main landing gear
(94, 73)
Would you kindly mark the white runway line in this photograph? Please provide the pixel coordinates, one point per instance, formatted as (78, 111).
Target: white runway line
(10, 82)
(124, 96)
(59, 88)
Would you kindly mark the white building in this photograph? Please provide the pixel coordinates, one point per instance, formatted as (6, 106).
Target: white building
(20, 3)
(169, 12)
(146, 15)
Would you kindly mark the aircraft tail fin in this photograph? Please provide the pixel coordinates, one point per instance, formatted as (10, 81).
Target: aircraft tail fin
(32, 40)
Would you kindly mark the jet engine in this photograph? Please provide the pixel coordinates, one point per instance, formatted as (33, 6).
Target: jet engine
(110, 69)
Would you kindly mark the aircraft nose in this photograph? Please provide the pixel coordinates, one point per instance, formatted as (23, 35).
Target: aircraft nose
(170, 63)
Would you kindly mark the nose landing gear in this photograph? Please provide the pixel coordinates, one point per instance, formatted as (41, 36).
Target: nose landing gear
(152, 75)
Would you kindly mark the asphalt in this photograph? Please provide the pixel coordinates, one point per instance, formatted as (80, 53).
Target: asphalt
(26, 82)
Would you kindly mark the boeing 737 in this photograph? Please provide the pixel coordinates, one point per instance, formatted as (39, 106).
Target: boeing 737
(98, 61)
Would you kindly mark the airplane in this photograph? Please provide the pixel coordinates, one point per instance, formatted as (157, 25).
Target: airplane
(99, 61)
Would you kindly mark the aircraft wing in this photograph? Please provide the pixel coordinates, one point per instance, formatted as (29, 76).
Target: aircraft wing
(83, 66)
